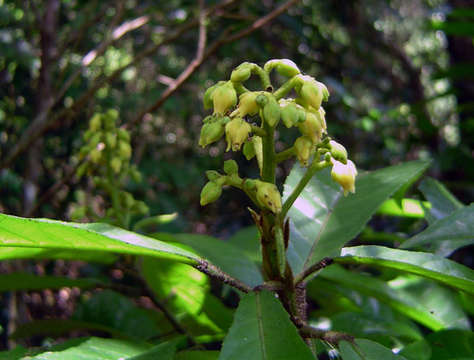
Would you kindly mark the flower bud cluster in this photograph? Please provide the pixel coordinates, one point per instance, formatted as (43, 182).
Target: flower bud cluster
(245, 117)
(105, 157)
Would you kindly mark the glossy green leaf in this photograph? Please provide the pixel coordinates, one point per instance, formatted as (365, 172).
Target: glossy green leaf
(442, 201)
(364, 349)
(183, 287)
(25, 281)
(323, 220)
(58, 235)
(427, 265)
(197, 355)
(446, 314)
(229, 258)
(15, 354)
(262, 330)
(118, 312)
(442, 345)
(410, 208)
(164, 351)
(7, 253)
(444, 236)
(93, 348)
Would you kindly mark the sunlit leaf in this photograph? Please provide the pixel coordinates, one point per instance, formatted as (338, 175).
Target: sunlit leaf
(410, 208)
(427, 265)
(364, 349)
(58, 235)
(323, 220)
(445, 236)
(443, 203)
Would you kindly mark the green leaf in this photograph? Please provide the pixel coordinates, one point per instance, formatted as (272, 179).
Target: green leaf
(25, 281)
(262, 330)
(118, 312)
(164, 351)
(409, 208)
(7, 253)
(442, 345)
(93, 348)
(427, 265)
(58, 235)
(197, 355)
(248, 240)
(443, 203)
(323, 220)
(184, 288)
(366, 350)
(15, 354)
(447, 312)
(229, 258)
(446, 235)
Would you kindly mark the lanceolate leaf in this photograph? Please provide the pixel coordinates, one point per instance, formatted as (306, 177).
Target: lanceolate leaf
(262, 330)
(442, 201)
(446, 313)
(444, 236)
(93, 348)
(228, 257)
(7, 253)
(323, 220)
(58, 235)
(427, 265)
(364, 349)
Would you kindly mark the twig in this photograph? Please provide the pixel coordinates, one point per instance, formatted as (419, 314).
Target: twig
(312, 269)
(215, 272)
(332, 337)
(225, 38)
(193, 65)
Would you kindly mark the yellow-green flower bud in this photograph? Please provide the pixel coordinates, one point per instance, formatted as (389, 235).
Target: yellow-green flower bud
(124, 150)
(321, 115)
(242, 72)
(212, 175)
(236, 133)
(95, 156)
(304, 149)
(248, 150)
(207, 99)
(284, 67)
(271, 111)
(224, 97)
(141, 208)
(123, 134)
(311, 127)
(338, 151)
(95, 122)
(344, 175)
(116, 164)
(210, 193)
(311, 92)
(110, 119)
(110, 140)
(135, 174)
(247, 104)
(291, 113)
(231, 167)
(268, 196)
(258, 148)
(211, 132)
(127, 199)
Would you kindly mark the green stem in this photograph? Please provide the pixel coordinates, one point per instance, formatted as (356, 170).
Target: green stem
(257, 130)
(284, 89)
(264, 78)
(312, 169)
(285, 154)
(239, 88)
